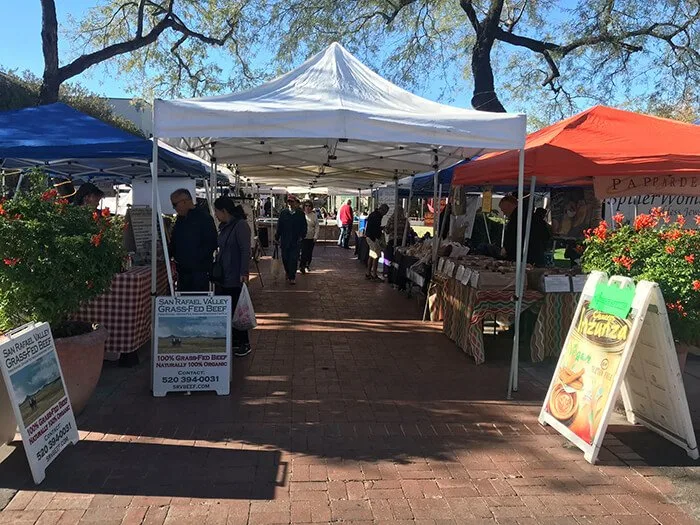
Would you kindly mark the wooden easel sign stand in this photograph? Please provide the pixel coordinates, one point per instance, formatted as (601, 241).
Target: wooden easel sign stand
(619, 341)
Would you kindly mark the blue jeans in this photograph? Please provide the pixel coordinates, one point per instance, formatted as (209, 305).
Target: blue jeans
(344, 239)
(290, 259)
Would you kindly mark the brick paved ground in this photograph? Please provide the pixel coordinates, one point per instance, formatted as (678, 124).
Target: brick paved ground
(349, 410)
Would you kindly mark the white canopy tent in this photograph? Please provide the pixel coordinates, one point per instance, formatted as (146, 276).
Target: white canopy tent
(331, 122)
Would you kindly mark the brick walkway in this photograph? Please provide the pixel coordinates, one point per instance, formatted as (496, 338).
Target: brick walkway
(348, 410)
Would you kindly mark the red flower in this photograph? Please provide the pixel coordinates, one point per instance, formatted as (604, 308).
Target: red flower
(690, 259)
(2, 210)
(643, 221)
(17, 216)
(95, 240)
(624, 261)
(49, 194)
(600, 231)
(697, 220)
(672, 235)
(62, 202)
(670, 249)
(696, 285)
(618, 218)
(11, 261)
(95, 216)
(680, 220)
(105, 212)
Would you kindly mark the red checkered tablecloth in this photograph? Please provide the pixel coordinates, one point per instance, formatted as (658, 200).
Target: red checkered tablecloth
(125, 310)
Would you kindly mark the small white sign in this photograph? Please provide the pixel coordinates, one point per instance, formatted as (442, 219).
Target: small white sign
(460, 273)
(32, 376)
(449, 268)
(467, 276)
(192, 344)
(578, 282)
(557, 283)
(475, 279)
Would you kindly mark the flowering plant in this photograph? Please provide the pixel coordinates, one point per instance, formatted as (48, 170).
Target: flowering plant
(658, 248)
(53, 256)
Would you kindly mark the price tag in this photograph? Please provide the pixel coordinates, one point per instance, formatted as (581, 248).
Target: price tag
(460, 273)
(557, 283)
(466, 277)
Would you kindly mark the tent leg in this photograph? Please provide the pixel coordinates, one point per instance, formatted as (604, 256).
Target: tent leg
(408, 215)
(433, 269)
(486, 225)
(396, 215)
(154, 250)
(512, 377)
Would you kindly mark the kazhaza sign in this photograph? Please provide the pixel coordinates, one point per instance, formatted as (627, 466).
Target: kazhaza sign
(606, 187)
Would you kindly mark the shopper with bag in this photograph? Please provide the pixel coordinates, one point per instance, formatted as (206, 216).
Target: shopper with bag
(374, 234)
(230, 270)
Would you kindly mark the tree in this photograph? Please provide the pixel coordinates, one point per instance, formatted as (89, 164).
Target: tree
(169, 39)
(586, 49)
(17, 92)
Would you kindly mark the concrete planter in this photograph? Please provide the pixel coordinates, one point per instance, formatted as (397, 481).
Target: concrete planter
(682, 353)
(81, 358)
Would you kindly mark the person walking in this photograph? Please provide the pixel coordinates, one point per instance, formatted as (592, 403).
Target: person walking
(192, 243)
(291, 229)
(345, 219)
(267, 207)
(313, 227)
(373, 232)
(234, 255)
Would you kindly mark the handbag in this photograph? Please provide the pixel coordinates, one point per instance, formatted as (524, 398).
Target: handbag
(277, 269)
(244, 315)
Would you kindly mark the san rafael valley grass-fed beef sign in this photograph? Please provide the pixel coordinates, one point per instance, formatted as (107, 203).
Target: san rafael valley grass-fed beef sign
(619, 341)
(37, 393)
(192, 348)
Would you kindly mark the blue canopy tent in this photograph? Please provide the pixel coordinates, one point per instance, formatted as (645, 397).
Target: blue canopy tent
(71, 144)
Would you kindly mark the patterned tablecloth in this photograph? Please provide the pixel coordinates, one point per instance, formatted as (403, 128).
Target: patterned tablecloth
(552, 325)
(462, 303)
(125, 310)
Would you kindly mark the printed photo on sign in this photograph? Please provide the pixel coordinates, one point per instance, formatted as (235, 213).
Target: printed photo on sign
(574, 210)
(585, 374)
(37, 387)
(186, 335)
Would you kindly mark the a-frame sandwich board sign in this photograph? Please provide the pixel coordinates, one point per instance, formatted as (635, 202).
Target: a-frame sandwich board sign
(619, 341)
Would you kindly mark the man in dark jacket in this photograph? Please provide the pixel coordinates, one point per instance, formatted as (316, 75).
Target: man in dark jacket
(539, 236)
(192, 243)
(291, 229)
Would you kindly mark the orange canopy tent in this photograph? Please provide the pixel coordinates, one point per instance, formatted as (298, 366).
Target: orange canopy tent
(620, 152)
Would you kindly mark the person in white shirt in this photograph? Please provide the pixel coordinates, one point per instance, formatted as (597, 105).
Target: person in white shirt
(313, 226)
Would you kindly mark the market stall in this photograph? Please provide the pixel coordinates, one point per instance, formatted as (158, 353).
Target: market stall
(332, 121)
(617, 152)
(69, 144)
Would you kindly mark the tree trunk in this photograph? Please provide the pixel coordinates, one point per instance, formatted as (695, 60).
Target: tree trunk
(49, 44)
(485, 97)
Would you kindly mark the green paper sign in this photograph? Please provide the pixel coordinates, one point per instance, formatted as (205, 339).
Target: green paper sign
(611, 299)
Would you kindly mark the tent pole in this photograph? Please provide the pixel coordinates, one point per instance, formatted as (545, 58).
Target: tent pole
(396, 215)
(408, 215)
(611, 213)
(435, 216)
(512, 379)
(486, 225)
(154, 246)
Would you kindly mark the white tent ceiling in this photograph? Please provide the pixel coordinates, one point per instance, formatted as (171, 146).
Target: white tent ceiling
(334, 120)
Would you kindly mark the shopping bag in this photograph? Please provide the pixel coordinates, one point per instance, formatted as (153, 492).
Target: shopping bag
(244, 315)
(277, 269)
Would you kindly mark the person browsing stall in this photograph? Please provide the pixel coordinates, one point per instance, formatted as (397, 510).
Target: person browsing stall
(88, 195)
(313, 227)
(345, 219)
(373, 232)
(192, 243)
(234, 255)
(291, 229)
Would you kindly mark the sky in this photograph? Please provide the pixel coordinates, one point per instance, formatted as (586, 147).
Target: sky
(32, 377)
(20, 44)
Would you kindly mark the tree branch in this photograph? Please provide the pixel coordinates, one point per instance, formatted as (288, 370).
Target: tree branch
(468, 8)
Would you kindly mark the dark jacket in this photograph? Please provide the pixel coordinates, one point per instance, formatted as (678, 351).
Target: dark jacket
(539, 237)
(373, 228)
(193, 241)
(234, 251)
(291, 228)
